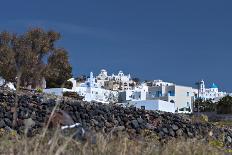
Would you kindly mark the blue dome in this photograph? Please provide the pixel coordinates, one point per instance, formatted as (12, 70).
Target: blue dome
(214, 86)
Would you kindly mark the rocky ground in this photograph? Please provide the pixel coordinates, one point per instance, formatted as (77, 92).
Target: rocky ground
(36, 109)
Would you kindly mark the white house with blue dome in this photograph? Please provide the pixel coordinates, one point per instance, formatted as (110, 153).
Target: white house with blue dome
(209, 93)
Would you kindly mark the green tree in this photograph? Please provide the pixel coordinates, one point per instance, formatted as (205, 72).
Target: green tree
(31, 56)
(81, 78)
(23, 56)
(7, 58)
(224, 106)
(204, 105)
(59, 69)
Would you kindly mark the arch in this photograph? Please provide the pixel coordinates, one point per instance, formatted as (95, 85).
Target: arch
(172, 101)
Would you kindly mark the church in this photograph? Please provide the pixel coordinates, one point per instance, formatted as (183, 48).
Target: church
(211, 93)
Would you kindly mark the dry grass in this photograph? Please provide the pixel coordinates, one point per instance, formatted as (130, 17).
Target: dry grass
(55, 143)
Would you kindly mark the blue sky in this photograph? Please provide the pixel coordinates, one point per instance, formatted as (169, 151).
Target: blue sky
(178, 41)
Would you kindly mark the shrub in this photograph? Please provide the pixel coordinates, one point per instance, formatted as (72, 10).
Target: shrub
(39, 90)
(224, 106)
(205, 106)
(73, 95)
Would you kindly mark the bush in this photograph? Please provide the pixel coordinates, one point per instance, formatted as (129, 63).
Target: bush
(205, 106)
(224, 106)
(39, 90)
(73, 95)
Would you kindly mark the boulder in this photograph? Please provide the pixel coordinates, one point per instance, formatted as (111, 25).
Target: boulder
(135, 124)
(2, 124)
(179, 132)
(175, 127)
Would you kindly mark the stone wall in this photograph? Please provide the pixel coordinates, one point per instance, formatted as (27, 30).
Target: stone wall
(103, 118)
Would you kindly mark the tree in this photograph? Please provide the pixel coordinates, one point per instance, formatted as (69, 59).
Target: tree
(224, 106)
(7, 58)
(204, 106)
(136, 80)
(81, 78)
(58, 69)
(23, 59)
(24, 55)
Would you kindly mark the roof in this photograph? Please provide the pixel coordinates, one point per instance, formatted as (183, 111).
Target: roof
(214, 86)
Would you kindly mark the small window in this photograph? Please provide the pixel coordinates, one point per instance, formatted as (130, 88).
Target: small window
(143, 107)
(187, 93)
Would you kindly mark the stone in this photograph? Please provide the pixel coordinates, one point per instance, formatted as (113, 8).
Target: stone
(179, 132)
(119, 128)
(35, 112)
(161, 134)
(95, 121)
(165, 130)
(29, 123)
(229, 139)
(2, 124)
(8, 121)
(171, 132)
(135, 124)
(140, 120)
(175, 127)
(108, 125)
(190, 134)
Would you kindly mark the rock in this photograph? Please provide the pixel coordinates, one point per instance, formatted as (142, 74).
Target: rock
(190, 134)
(2, 124)
(229, 139)
(140, 120)
(29, 123)
(60, 118)
(161, 134)
(135, 124)
(34, 111)
(8, 121)
(95, 121)
(119, 128)
(150, 126)
(171, 132)
(175, 127)
(165, 130)
(179, 132)
(108, 125)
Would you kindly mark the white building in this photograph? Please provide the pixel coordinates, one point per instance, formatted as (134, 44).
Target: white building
(9, 85)
(56, 91)
(137, 94)
(114, 82)
(209, 93)
(92, 91)
(182, 96)
(154, 105)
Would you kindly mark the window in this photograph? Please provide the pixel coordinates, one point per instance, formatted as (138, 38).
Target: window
(188, 104)
(187, 93)
(158, 93)
(171, 93)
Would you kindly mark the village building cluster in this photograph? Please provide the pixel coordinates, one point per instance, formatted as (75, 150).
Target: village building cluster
(150, 95)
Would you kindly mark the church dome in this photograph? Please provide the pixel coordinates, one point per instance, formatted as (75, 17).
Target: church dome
(214, 86)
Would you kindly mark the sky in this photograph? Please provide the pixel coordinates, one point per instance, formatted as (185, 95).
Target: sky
(177, 41)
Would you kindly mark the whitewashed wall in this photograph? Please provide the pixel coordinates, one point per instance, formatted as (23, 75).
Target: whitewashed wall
(154, 105)
(56, 91)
